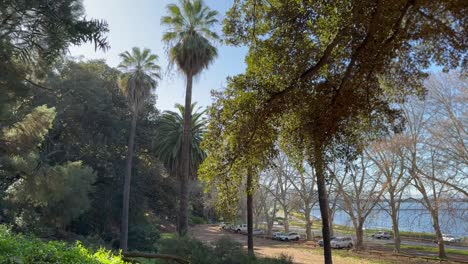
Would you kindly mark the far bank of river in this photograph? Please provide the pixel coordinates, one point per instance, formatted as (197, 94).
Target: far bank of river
(413, 217)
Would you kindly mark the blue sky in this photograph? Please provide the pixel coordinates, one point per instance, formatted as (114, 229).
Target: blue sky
(137, 23)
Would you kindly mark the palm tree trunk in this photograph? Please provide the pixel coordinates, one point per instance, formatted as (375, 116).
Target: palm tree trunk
(319, 165)
(126, 192)
(250, 247)
(185, 156)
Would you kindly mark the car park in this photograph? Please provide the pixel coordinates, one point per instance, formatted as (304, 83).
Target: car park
(342, 242)
(382, 235)
(292, 236)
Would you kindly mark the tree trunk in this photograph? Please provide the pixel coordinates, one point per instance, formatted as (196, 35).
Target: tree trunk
(126, 191)
(250, 247)
(332, 216)
(395, 227)
(308, 224)
(440, 240)
(185, 164)
(271, 221)
(359, 235)
(319, 165)
(286, 221)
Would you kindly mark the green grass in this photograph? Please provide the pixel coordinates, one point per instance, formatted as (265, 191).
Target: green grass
(168, 235)
(429, 249)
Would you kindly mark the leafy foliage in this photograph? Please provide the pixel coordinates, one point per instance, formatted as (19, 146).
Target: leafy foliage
(49, 196)
(27, 249)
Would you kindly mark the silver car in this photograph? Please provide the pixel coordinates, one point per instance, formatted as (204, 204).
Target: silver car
(342, 242)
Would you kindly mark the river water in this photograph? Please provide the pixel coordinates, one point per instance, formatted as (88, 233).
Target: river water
(413, 217)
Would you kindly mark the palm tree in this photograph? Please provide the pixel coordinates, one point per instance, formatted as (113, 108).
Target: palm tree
(140, 75)
(188, 38)
(169, 138)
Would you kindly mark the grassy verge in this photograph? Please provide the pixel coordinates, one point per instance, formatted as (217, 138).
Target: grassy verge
(428, 249)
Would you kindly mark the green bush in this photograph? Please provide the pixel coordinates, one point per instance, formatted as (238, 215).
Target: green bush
(143, 238)
(223, 251)
(196, 220)
(16, 248)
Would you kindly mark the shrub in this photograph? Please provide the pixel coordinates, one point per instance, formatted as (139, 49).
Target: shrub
(223, 251)
(143, 238)
(17, 248)
(196, 220)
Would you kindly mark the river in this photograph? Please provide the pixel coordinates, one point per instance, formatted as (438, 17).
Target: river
(413, 217)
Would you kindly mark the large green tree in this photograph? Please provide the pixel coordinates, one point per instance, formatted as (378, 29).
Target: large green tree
(188, 38)
(326, 71)
(33, 34)
(140, 77)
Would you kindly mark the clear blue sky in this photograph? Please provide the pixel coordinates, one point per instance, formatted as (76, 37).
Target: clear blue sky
(137, 23)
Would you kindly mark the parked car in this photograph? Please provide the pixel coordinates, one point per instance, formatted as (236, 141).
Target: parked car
(240, 228)
(449, 238)
(257, 232)
(277, 235)
(382, 235)
(342, 242)
(290, 236)
(320, 242)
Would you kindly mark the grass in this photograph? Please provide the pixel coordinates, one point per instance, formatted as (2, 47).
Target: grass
(429, 249)
(168, 235)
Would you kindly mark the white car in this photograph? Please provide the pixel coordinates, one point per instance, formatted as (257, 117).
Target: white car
(449, 238)
(342, 242)
(240, 228)
(293, 236)
(276, 235)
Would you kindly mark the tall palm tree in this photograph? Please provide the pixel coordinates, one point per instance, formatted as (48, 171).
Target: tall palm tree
(188, 38)
(140, 77)
(169, 138)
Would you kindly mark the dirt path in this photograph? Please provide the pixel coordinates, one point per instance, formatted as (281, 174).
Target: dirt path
(300, 252)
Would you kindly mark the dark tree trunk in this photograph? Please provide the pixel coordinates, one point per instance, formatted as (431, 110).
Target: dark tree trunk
(185, 162)
(250, 247)
(319, 165)
(126, 191)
